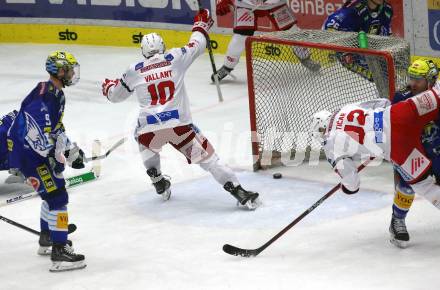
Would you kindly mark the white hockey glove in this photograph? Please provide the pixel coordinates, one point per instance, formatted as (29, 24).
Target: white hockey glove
(107, 84)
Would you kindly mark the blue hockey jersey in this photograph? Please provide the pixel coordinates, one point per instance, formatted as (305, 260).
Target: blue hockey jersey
(5, 123)
(356, 16)
(37, 126)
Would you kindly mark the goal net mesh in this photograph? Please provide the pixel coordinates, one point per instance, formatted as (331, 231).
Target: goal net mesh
(292, 75)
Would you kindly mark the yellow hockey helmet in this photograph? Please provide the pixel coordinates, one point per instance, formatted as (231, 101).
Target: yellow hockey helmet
(58, 60)
(423, 69)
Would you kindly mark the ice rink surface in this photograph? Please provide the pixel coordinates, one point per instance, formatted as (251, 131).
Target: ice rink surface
(134, 240)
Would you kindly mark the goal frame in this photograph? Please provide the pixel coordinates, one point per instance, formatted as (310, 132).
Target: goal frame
(272, 40)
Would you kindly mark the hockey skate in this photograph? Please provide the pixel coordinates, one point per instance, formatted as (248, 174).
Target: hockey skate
(245, 198)
(64, 259)
(45, 243)
(221, 73)
(398, 234)
(161, 183)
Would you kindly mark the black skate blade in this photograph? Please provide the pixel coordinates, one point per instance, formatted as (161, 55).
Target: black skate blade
(234, 251)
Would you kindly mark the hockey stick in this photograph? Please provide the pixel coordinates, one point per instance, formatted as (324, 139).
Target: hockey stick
(99, 157)
(235, 251)
(211, 58)
(71, 182)
(71, 227)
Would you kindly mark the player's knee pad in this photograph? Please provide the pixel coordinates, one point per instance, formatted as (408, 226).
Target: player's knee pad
(210, 162)
(56, 199)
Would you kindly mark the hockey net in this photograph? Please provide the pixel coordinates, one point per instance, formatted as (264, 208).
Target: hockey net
(284, 93)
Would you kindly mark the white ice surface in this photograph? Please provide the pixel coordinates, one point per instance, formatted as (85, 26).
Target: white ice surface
(134, 240)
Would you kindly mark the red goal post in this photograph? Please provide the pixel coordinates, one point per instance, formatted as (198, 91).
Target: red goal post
(284, 93)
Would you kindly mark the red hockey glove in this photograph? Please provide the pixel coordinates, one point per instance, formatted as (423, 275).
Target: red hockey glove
(203, 21)
(107, 84)
(223, 7)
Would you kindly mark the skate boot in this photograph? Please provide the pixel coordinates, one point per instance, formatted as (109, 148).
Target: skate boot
(245, 198)
(398, 234)
(45, 243)
(221, 73)
(161, 184)
(310, 64)
(64, 259)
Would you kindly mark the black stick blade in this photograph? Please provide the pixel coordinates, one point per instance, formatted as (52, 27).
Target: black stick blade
(71, 228)
(234, 251)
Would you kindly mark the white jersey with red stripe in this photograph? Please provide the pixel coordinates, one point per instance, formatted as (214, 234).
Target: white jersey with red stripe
(159, 85)
(259, 4)
(356, 132)
(361, 128)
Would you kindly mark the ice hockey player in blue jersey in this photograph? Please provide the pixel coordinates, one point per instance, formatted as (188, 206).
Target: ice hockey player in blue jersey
(5, 123)
(423, 74)
(39, 148)
(370, 16)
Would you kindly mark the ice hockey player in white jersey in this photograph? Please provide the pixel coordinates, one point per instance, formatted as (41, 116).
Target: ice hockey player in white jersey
(165, 116)
(246, 13)
(378, 129)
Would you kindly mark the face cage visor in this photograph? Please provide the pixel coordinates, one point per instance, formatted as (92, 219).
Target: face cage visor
(73, 75)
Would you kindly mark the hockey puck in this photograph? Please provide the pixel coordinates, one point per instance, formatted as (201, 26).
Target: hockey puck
(277, 175)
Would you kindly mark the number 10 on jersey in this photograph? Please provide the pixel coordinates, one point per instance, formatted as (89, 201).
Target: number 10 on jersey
(162, 92)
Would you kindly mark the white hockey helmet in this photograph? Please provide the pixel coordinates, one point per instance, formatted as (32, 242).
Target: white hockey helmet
(319, 123)
(152, 44)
